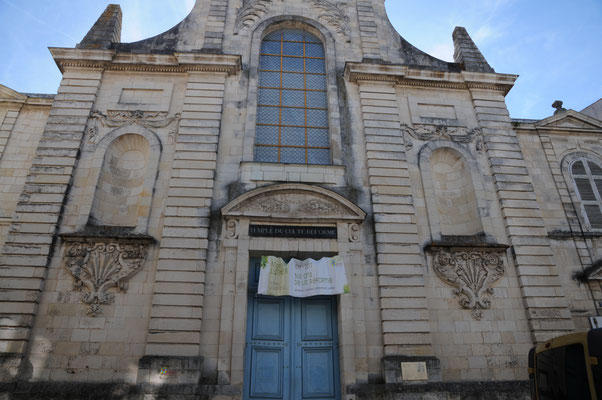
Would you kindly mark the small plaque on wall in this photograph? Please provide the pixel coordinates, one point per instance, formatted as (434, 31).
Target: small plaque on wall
(291, 231)
(414, 371)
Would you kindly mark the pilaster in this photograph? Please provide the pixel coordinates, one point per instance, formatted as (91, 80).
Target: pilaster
(29, 243)
(216, 24)
(404, 310)
(7, 124)
(177, 305)
(546, 305)
(368, 29)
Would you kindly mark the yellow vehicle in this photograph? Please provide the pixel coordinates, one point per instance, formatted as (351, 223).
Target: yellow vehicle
(568, 367)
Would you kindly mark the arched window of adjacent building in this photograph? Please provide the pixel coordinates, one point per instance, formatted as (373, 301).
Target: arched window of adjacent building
(120, 199)
(292, 105)
(587, 177)
(454, 192)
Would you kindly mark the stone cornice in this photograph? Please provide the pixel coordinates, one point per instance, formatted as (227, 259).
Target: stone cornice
(9, 97)
(405, 76)
(111, 60)
(561, 124)
(39, 101)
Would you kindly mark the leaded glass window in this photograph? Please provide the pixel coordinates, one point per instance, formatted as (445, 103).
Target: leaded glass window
(292, 104)
(587, 176)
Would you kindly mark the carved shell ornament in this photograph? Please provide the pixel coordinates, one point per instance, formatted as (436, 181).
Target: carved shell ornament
(471, 272)
(97, 267)
(329, 14)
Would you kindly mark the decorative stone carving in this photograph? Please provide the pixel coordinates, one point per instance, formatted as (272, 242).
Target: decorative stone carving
(354, 233)
(293, 201)
(98, 265)
(319, 207)
(269, 206)
(453, 133)
(117, 119)
(231, 229)
(330, 14)
(333, 15)
(471, 271)
(293, 206)
(251, 12)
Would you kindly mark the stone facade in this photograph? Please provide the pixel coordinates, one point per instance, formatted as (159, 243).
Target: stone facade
(126, 201)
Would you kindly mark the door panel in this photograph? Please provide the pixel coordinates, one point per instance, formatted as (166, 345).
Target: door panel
(267, 372)
(316, 319)
(268, 319)
(316, 348)
(318, 373)
(267, 354)
(292, 347)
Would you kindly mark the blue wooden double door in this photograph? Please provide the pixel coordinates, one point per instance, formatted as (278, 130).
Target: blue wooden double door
(291, 348)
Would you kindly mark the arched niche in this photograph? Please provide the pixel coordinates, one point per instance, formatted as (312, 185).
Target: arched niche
(453, 190)
(454, 193)
(126, 161)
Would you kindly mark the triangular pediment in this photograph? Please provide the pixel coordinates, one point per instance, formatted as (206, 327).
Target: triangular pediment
(570, 119)
(594, 110)
(10, 95)
(294, 202)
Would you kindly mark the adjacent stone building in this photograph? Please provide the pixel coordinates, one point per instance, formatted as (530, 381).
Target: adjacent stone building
(135, 202)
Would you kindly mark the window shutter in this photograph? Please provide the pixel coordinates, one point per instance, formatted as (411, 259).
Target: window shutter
(594, 216)
(585, 189)
(578, 168)
(596, 170)
(588, 184)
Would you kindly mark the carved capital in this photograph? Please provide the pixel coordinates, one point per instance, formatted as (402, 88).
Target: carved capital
(472, 271)
(98, 265)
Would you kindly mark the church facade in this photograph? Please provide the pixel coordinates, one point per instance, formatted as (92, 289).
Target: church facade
(136, 203)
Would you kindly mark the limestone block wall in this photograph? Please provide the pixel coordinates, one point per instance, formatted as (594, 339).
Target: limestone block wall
(224, 313)
(21, 133)
(178, 299)
(404, 304)
(69, 343)
(110, 294)
(547, 153)
(27, 247)
(491, 343)
(525, 302)
(547, 308)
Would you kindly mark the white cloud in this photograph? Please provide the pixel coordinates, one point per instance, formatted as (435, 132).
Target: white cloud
(485, 33)
(38, 20)
(189, 4)
(443, 51)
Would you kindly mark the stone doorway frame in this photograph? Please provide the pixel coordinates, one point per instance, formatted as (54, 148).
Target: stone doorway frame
(291, 204)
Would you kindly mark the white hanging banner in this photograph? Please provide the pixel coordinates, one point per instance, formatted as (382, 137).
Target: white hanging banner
(305, 278)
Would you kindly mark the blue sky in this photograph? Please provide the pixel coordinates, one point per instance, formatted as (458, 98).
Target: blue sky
(555, 46)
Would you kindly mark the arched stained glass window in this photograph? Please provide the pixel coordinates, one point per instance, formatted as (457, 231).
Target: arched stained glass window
(292, 104)
(587, 176)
